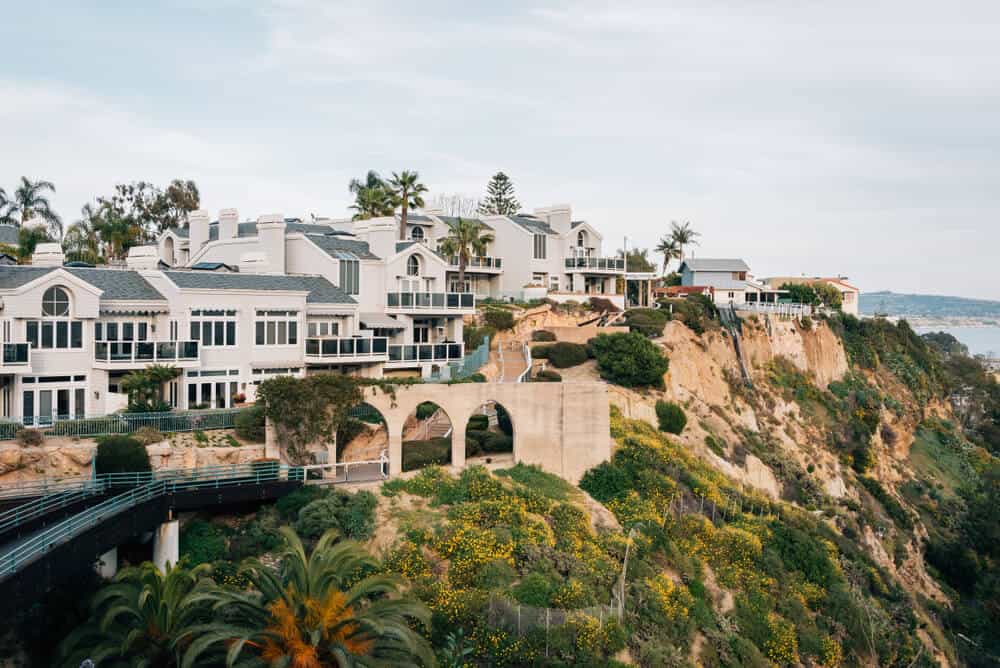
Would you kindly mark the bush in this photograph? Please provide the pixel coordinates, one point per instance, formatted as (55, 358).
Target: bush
(540, 352)
(473, 336)
(29, 437)
(121, 454)
(478, 422)
(546, 376)
(647, 321)
(498, 443)
(202, 542)
(542, 335)
(534, 589)
(564, 354)
(249, 424)
(630, 360)
(288, 506)
(426, 409)
(317, 517)
(499, 318)
(806, 323)
(352, 514)
(671, 417)
(148, 435)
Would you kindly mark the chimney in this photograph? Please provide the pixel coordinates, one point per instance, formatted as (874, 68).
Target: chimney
(229, 224)
(558, 216)
(271, 240)
(48, 255)
(197, 231)
(142, 257)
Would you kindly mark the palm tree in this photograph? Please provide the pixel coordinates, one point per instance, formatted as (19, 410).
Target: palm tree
(143, 618)
(465, 238)
(406, 190)
(30, 202)
(315, 612)
(371, 203)
(116, 233)
(670, 250)
(683, 235)
(28, 239)
(81, 240)
(6, 209)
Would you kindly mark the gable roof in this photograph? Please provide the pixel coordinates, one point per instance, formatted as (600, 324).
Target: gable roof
(336, 246)
(714, 264)
(532, 224)
(321, 291)
(115, 284)
(454, 219)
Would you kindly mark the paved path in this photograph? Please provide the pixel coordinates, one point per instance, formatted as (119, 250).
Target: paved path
(514, 362)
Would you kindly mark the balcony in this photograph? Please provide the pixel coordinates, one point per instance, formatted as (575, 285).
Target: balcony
(138, 354)
(347, 349)
(406, 353)
(430, 302)
(16, 358)
(479, 265)
(598, 265)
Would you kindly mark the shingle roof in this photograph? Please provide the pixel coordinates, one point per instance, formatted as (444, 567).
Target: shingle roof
(532, 224)
(403, 245)
(418, 218)
(454, 219)
(332, 244)
(321, 291)
(116, 284)
(715, 264)
(8, 235)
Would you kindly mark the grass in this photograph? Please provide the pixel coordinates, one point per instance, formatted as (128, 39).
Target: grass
(944, 463)
(418, 454)
(550, 486)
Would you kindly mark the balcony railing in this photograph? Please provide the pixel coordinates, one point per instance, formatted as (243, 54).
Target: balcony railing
(16, 354)
(139, 352)
(597, 263)
(431, 301)
(485, 262)
(375, 347)
(426, 352)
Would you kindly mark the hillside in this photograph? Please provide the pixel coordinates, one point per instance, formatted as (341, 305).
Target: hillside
(927, 306)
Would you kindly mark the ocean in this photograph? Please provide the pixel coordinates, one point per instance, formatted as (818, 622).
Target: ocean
(980, 340)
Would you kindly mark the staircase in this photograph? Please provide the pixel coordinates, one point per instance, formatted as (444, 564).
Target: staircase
(733, 324)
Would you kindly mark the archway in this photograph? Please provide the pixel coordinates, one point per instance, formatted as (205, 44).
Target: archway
(427, 433)
(364, 436)
(489, 433)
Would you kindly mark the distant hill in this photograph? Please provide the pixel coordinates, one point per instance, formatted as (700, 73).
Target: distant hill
(928, 306)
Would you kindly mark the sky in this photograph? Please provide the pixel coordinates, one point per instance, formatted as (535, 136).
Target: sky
(818, 138)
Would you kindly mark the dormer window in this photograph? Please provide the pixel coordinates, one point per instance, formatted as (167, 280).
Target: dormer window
(413, 266)
(55, 303)
(581, 239)
(417, 234)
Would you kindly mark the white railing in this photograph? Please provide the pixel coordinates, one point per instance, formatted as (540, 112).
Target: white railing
(133, 352)
(484, 262)
(527, 360)
(426, 352)
(340, 472)
(430, 301)
(780, 309)
(375, 347)
(598, 263)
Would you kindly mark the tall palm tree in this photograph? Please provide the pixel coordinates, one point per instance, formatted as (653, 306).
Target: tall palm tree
(315, 613)
(142, 619)
(465, 238)
(683, 235)
(407, 191)
(117, 233)
(81, 240)
(30, 202)
(670, 249)
(372, 197)
(6, 209)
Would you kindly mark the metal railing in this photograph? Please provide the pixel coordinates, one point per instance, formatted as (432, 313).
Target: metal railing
(16, 354)
(426, 352)
(211, 477)
(131, 352)
(124, 423)
(599, 263)
(430, 300)
(40, 507)
(779, 309)
(374, 347)
(527, 369)
(484, 262)
(367, 470)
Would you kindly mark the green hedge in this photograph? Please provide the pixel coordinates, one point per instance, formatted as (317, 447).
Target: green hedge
(563, 354)
(630, 360)
(671, 417)
(542, 335)
(121, 454)
(546, 376)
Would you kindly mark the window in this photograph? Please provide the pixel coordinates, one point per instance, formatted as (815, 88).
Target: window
(417, 234)
(350, 276)
(55, 302)
(319, 329)
(276, 328)
(413, 266)
(540, 242)
(121, 331)
(581, 239)
(54, 334)
(213, 327)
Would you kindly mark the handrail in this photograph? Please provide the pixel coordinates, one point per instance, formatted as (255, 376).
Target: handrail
(128, 352)
(60, 533)
(527, 360)
(348, 346)
(430, 300)
(41, 506)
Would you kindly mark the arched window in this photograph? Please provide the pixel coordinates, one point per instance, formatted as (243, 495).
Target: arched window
(413, 266)
(417, 234)
(581, 239)
(55, 302)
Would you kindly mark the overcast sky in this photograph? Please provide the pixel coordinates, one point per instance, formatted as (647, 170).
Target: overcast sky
(860, 138)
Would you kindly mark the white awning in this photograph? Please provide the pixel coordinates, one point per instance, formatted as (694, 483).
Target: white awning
(380, 321)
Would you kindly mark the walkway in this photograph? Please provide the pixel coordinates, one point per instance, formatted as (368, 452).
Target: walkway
(513, 360)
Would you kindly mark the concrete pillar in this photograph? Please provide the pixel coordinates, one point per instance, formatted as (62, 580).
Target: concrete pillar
(458, 446)
(166, 545)
(395, 451)
(107, 564)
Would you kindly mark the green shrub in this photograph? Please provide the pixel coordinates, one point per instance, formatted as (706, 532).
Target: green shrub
(357, 516)
(474, 336)
(630, 360)
(418, 454)
(542, 335)
(474, 441)
(499, 319)
(478, 422)
(671, 417)
(249, 424)
(533, 477)
(546, 376)
(29, 437)
(426, 409)
(318, 516)
(350, 429)
(503, 420)
(202, 542)
(494, 443)
(647, 321)
(806, 323)
(288, 506)
(496, 575)
(121, 454)
(352, 514)
(564, 354)
(534, 589)
(540, 352)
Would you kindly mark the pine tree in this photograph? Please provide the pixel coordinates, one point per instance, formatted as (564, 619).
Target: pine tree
(499, 200)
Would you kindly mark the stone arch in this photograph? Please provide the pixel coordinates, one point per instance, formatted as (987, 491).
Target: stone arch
(364, 437)
(427, 436)
(490, 431)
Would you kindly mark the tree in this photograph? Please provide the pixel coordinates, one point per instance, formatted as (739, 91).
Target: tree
(81, 241)
(6, 209)
(630, 360)
(144, 618)
(499, 200)
(637, 259)
(372, 197)
(406, 191)
(801, 293)
(669, 249)
(28, 239)
(144, 388)
(30, 202)
(316, 611)
(465, 238)
(179, 199)
(683, 235)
